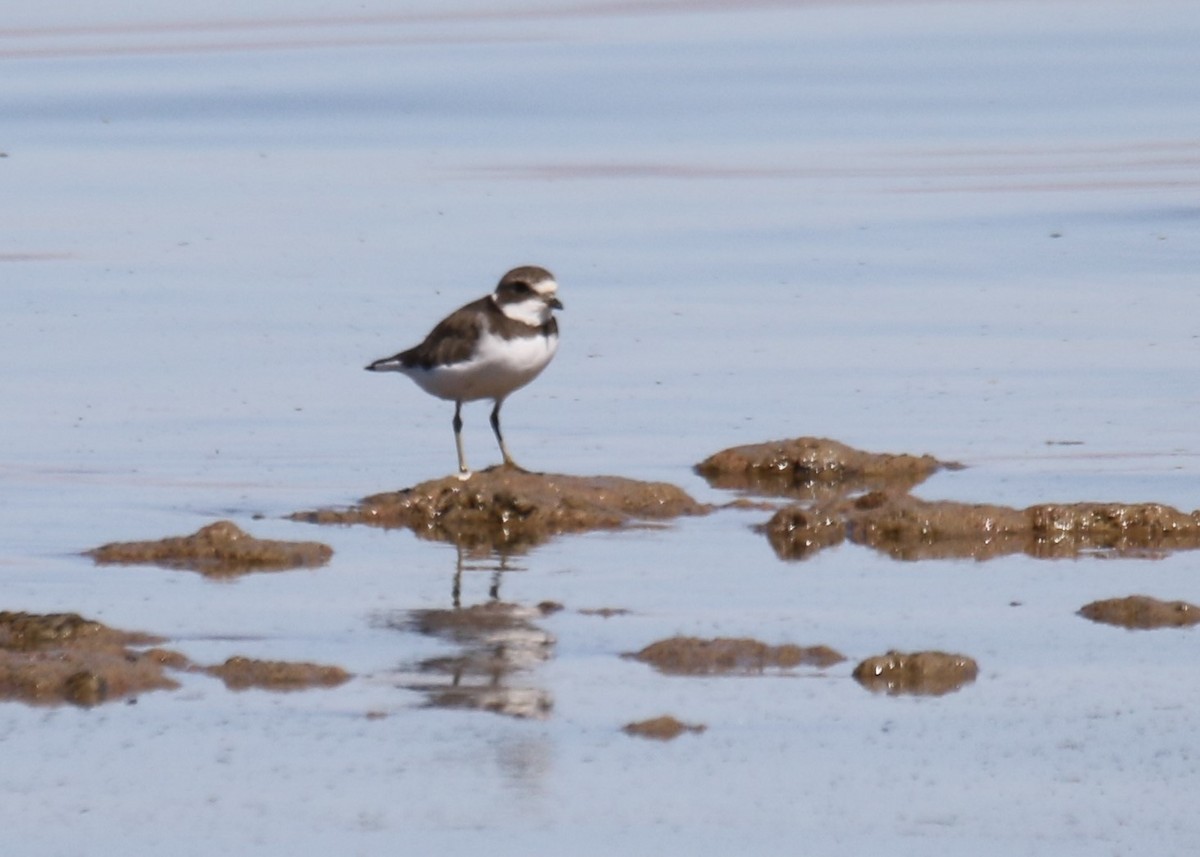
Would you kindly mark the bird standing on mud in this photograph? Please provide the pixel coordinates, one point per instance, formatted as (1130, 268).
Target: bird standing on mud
(486, 349)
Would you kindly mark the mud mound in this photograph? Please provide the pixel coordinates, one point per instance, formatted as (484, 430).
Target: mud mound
(723, 655)
(218, 550)
(797, 533)
(504, 507)
(813, 468)
(907, 528)
(918, 673)
(1142, 612)
(240, 673)
(54, 658)
(1133, 528)
(664, 728)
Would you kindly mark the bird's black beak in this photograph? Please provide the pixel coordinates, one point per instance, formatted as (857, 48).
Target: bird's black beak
(554, 303)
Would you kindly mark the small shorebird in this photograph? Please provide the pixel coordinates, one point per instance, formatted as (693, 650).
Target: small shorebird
(486, 349)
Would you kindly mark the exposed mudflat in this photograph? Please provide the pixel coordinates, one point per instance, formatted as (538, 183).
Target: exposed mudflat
(814, 468)
(725, 655)
(863, 497)
(55, 658)
(916, 673)
(908, 528)
(49, 659)
(797, 533)
(221, 549)
(664, 728)
(240, 673)
(1142, 612)
(503, 507)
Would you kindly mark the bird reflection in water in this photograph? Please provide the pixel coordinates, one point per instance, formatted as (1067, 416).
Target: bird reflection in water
(499, 646)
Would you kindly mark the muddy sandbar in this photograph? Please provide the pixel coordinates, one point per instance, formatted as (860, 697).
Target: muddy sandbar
(917, 673)
(220, 549)
(1141, 612)
(730, 655)
(504, 507)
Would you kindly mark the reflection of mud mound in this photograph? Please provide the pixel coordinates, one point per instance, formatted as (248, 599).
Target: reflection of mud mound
(694, 656)
(220, 550)
(62, 657)
(499, 643)
(664, 728)
(504, 507)
(1142, 612)
(908, 528)
(240, 673)
(813, 468)
(918, 673)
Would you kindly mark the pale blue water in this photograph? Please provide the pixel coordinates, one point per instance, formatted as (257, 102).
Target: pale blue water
(966, 229)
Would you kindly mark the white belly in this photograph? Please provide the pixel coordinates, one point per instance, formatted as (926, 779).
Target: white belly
(499, 367)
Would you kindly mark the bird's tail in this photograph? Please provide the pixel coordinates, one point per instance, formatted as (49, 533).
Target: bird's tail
(386, 364)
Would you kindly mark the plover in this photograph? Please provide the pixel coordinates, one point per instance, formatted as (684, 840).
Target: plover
(486, 349)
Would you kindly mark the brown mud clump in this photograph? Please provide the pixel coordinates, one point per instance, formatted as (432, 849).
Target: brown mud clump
(218, 550)
(917, 673)
(726, 655)
(506, 507)
(797, 533)
(813, 468)
(55, 658)
(664, 728)
(1141, 612)
(240, 673)
(908, 528)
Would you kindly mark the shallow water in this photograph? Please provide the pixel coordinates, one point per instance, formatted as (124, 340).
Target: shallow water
(965, 229)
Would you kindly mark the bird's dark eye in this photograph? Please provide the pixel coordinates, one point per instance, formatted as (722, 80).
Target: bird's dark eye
(521, 287)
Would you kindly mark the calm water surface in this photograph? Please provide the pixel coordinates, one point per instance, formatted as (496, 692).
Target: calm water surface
(968, 229)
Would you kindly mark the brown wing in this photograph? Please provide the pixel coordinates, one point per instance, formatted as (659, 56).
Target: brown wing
(451, 341)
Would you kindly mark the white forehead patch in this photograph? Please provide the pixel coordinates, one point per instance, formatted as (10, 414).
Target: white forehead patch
(545, 288)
